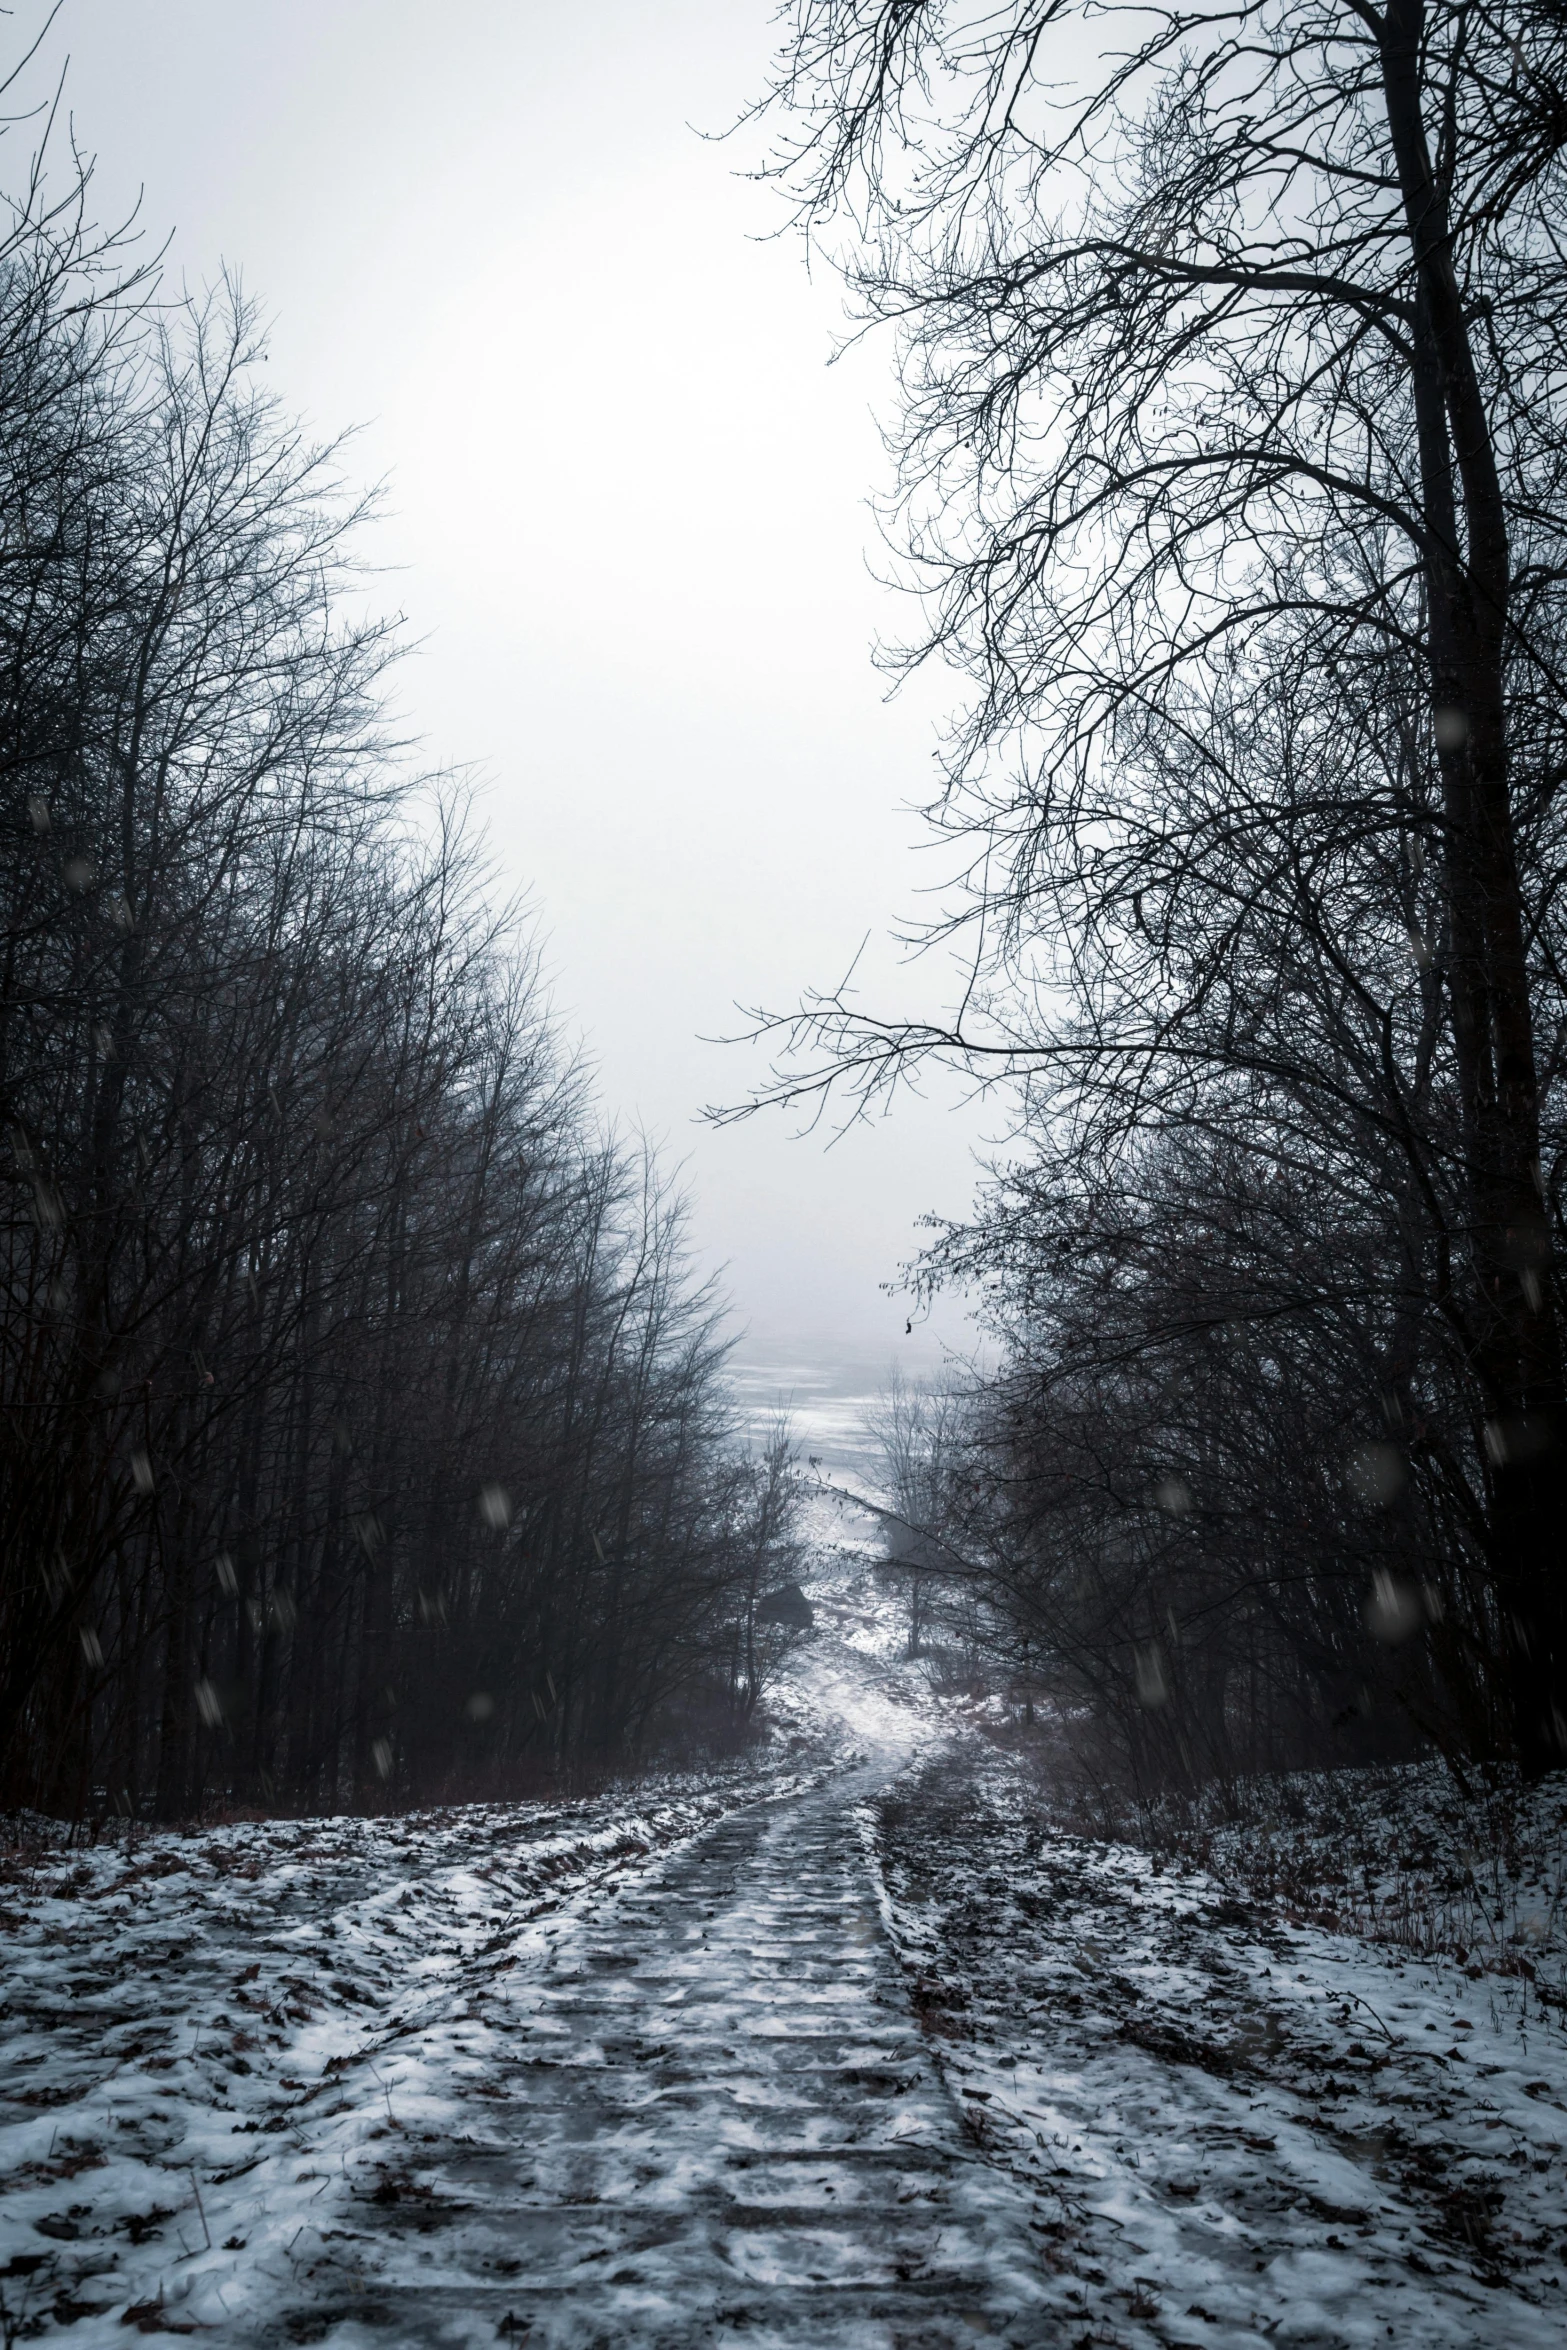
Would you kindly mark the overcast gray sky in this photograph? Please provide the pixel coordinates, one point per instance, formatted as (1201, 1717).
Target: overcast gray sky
(628, 511)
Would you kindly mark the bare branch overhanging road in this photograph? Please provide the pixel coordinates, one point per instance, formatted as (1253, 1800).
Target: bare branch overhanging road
(707, 2118)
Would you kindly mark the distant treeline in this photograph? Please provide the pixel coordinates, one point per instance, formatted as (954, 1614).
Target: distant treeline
(363, 1429)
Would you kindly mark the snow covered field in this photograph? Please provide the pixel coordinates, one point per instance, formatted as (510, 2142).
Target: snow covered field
(850, 2044)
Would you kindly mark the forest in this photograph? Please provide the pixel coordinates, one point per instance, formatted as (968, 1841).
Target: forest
(1230, 438)
(506, 1836)
(364, 1428)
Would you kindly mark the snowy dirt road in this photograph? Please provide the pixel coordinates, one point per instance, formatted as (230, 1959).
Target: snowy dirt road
(650, 2076)
(841, 2045)
(707, 2117)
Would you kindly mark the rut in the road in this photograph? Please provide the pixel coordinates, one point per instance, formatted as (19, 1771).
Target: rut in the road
(711, 2120)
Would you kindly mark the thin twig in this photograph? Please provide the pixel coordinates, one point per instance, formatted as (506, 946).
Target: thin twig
(196, 2191)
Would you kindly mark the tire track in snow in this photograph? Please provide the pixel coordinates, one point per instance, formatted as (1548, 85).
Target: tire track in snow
(703, 2115)
(181, 2032)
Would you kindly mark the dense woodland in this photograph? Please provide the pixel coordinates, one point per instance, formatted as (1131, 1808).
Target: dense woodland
(364, 1430)
(1232, 484)
(363, 1426)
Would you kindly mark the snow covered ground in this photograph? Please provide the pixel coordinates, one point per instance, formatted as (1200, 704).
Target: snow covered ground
(1237, 2129)
(189, 2030)
(851, 2044)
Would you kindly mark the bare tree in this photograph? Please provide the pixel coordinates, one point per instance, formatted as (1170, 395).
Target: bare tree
(363, 1428)
(918, 1431)
(772, 1613)
(1229, 353)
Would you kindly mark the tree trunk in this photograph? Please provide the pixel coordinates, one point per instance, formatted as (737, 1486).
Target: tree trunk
(1514, 1338)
